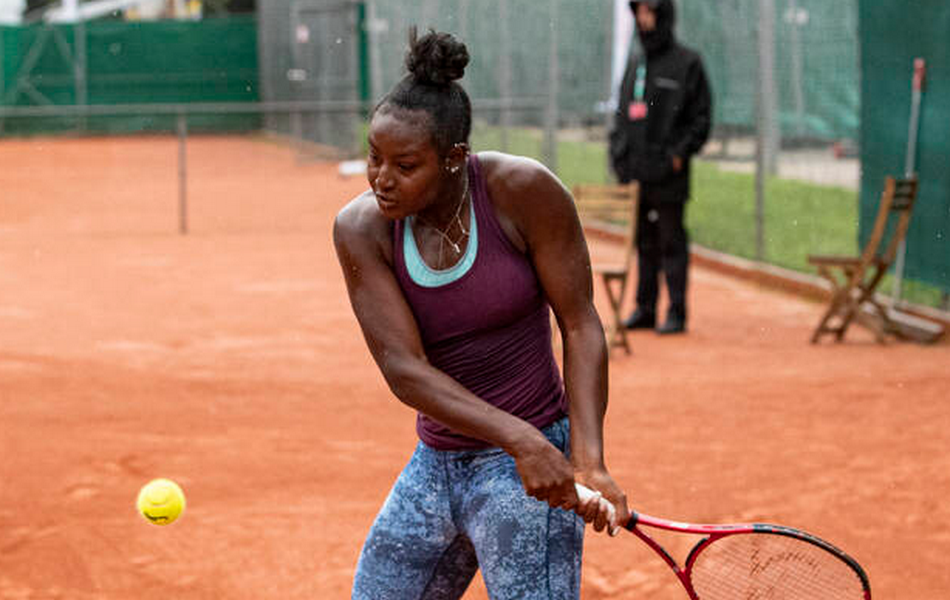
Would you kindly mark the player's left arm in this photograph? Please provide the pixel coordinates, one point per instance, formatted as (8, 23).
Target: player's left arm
(542, 212)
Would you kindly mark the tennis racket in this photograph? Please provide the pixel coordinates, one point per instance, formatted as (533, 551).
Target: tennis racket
(754, 561)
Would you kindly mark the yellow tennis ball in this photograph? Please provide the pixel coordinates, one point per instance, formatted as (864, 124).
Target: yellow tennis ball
(161, 501)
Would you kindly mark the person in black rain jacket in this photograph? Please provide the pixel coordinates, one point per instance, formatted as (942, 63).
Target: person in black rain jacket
(663, 118)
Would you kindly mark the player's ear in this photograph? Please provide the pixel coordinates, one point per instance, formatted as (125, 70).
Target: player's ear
(455, 158)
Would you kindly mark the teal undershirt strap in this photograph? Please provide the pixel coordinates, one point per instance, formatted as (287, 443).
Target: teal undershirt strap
(424, 275)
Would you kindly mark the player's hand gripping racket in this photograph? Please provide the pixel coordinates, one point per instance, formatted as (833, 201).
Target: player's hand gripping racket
(754, 561)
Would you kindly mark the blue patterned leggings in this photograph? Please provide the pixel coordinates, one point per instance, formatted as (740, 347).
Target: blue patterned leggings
(453, 512)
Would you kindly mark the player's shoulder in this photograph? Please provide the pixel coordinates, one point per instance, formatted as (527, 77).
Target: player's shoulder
(510, 174)
(359, 219)
(523, 188)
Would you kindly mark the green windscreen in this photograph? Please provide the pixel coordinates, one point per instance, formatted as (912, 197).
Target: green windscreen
(117, 62)
(892, 35)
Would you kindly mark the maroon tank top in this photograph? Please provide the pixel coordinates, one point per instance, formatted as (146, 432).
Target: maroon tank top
(488, 328)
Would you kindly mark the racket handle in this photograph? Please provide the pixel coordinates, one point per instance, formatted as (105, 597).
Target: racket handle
(584, 494)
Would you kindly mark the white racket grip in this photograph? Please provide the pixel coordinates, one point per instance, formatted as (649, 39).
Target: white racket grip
(584, 494)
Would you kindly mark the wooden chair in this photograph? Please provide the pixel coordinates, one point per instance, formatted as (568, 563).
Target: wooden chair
(855, 279)
(614, 206)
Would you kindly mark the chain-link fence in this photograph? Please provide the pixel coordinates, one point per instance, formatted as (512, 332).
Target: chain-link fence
(779, 180)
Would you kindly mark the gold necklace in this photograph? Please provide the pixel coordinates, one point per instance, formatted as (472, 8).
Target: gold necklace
(444, 235)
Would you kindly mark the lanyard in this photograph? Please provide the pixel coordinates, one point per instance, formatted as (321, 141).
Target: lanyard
(640, 84)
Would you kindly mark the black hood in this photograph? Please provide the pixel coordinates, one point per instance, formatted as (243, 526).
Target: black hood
(661, 37)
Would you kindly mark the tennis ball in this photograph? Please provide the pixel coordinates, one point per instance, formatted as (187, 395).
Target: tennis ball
(161, 501)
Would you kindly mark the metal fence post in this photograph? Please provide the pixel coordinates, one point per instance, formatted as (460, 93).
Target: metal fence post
(504, 72)
(794, 17)
(182, 173)
(551, 114)
(2, 82)
(81, 67)
(910, 167)
(766, 147)
(374, 26)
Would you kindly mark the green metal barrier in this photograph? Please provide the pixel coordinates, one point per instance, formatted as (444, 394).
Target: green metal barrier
(117, 62)
(893, 34)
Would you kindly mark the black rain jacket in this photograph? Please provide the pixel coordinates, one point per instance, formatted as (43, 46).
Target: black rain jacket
(679, 108)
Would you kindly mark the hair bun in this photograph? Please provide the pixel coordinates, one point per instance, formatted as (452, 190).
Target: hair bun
(436, 58)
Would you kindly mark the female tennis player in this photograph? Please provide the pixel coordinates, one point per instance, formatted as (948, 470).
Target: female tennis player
(451, 261)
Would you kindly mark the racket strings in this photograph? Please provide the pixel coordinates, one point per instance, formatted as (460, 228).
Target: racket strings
(760, 566)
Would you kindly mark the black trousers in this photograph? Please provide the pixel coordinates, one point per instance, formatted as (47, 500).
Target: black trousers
(662, 245)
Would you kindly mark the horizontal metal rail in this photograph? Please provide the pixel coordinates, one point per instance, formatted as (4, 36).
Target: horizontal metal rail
(191, 108)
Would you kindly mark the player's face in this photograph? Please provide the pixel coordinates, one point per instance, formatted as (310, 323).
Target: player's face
(646, 17)
(403, 165)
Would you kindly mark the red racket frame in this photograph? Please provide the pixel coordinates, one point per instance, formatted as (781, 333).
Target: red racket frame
(716, 532)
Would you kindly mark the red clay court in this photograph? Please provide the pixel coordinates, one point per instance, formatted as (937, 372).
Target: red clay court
(229, 360)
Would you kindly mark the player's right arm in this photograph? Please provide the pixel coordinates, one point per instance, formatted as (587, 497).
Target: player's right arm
(363, 241)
